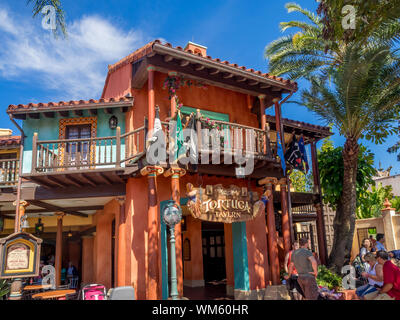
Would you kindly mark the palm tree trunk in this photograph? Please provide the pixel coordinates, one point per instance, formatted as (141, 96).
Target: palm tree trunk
(345, 217)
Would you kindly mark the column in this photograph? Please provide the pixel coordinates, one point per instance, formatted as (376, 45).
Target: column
(318, 206)
(279, 128)
(122, 244)
(153, 289)
(151, 96)
(263, 118)
(59, 242)
(285, 215)
(87, 259)
(175, 173)
(173, 101)
(272, 237)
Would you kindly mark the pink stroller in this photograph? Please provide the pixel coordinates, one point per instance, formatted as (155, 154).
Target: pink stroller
(94, 292)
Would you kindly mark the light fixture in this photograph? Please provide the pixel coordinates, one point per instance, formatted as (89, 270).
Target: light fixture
(39, 227)
(172, 215)
(24, 222)
(113, 122)
(69, 233)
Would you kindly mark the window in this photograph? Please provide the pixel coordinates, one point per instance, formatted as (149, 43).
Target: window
(8, 156)
(78, 150)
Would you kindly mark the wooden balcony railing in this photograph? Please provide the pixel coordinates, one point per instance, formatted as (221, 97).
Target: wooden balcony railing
(88, 153)
(123, 149)
(9, 172)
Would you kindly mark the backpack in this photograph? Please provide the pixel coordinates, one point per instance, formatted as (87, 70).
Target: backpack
(358, 266)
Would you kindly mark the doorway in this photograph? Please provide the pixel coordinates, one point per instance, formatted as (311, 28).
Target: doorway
(213, 243)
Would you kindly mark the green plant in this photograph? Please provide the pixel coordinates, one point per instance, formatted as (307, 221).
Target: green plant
(301, 182)
(396, 203)
(329, 279)
(370, 203)
(330, 162)
(4, 288)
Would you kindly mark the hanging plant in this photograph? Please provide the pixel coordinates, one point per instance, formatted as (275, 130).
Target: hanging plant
(173, 83)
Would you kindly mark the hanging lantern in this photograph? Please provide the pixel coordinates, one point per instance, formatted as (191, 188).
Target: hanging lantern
(172, 213)
(39, 227)
(113, 122)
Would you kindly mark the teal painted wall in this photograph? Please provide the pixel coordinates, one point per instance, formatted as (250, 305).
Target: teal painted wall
(48, 129)
(240, 261)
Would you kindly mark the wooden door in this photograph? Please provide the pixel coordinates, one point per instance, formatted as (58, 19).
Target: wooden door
(213, 255)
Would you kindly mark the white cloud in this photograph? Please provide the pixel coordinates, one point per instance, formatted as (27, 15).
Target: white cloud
(74, 68)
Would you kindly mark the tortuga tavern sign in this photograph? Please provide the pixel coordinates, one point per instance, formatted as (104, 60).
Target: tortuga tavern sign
(219, 204)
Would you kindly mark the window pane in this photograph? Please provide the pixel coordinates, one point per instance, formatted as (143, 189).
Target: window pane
(212, 252)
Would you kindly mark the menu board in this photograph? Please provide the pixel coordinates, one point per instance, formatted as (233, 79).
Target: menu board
(19, 255)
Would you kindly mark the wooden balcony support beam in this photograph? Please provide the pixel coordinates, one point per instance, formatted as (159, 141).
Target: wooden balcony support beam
(64, 113)
(54, 208)
(227, 75)
(184, 63)
(199, 67)
(213, 72)
(168, 58)
(49, 114)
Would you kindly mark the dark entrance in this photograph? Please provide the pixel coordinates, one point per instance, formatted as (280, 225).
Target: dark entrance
(213, 241)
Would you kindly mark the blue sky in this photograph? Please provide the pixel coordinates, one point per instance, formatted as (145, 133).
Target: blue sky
(34, 67)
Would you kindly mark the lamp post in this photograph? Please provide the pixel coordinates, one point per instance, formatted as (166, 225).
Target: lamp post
(172, 215)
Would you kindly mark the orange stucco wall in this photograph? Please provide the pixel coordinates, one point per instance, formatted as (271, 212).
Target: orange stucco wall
(103, 238)
(213, 99)
(74, 253)
(194, 267)
(136, 206)
(118, 83)
(209, 98)
(87, 260)
(257, 252)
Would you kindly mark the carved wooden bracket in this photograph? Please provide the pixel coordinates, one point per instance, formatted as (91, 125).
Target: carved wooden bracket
(151, 171)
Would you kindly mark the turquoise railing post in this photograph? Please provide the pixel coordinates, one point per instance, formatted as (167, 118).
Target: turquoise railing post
(174, 282)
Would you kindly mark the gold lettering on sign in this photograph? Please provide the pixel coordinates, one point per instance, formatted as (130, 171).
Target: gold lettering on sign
(219, 204)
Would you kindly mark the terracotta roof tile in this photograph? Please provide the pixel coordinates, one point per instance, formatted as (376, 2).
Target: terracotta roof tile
(73, 103)
(10, 140)
(301, 124)
(148, 48)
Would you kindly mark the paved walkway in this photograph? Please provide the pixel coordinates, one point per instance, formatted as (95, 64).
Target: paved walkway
(211, 291)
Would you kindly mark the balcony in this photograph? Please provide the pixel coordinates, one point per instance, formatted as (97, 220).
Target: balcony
(93, 161)
(9, 172)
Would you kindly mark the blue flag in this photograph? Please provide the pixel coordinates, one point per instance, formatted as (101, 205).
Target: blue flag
(303, 153)
(280, 153)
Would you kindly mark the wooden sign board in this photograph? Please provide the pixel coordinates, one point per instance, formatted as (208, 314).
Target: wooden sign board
(19, 256)
(218, 204)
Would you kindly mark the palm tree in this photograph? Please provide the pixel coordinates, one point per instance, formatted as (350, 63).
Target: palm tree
(370, 17)
(38, 6)
(362, 100)
(307, 52)
(302, 54)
